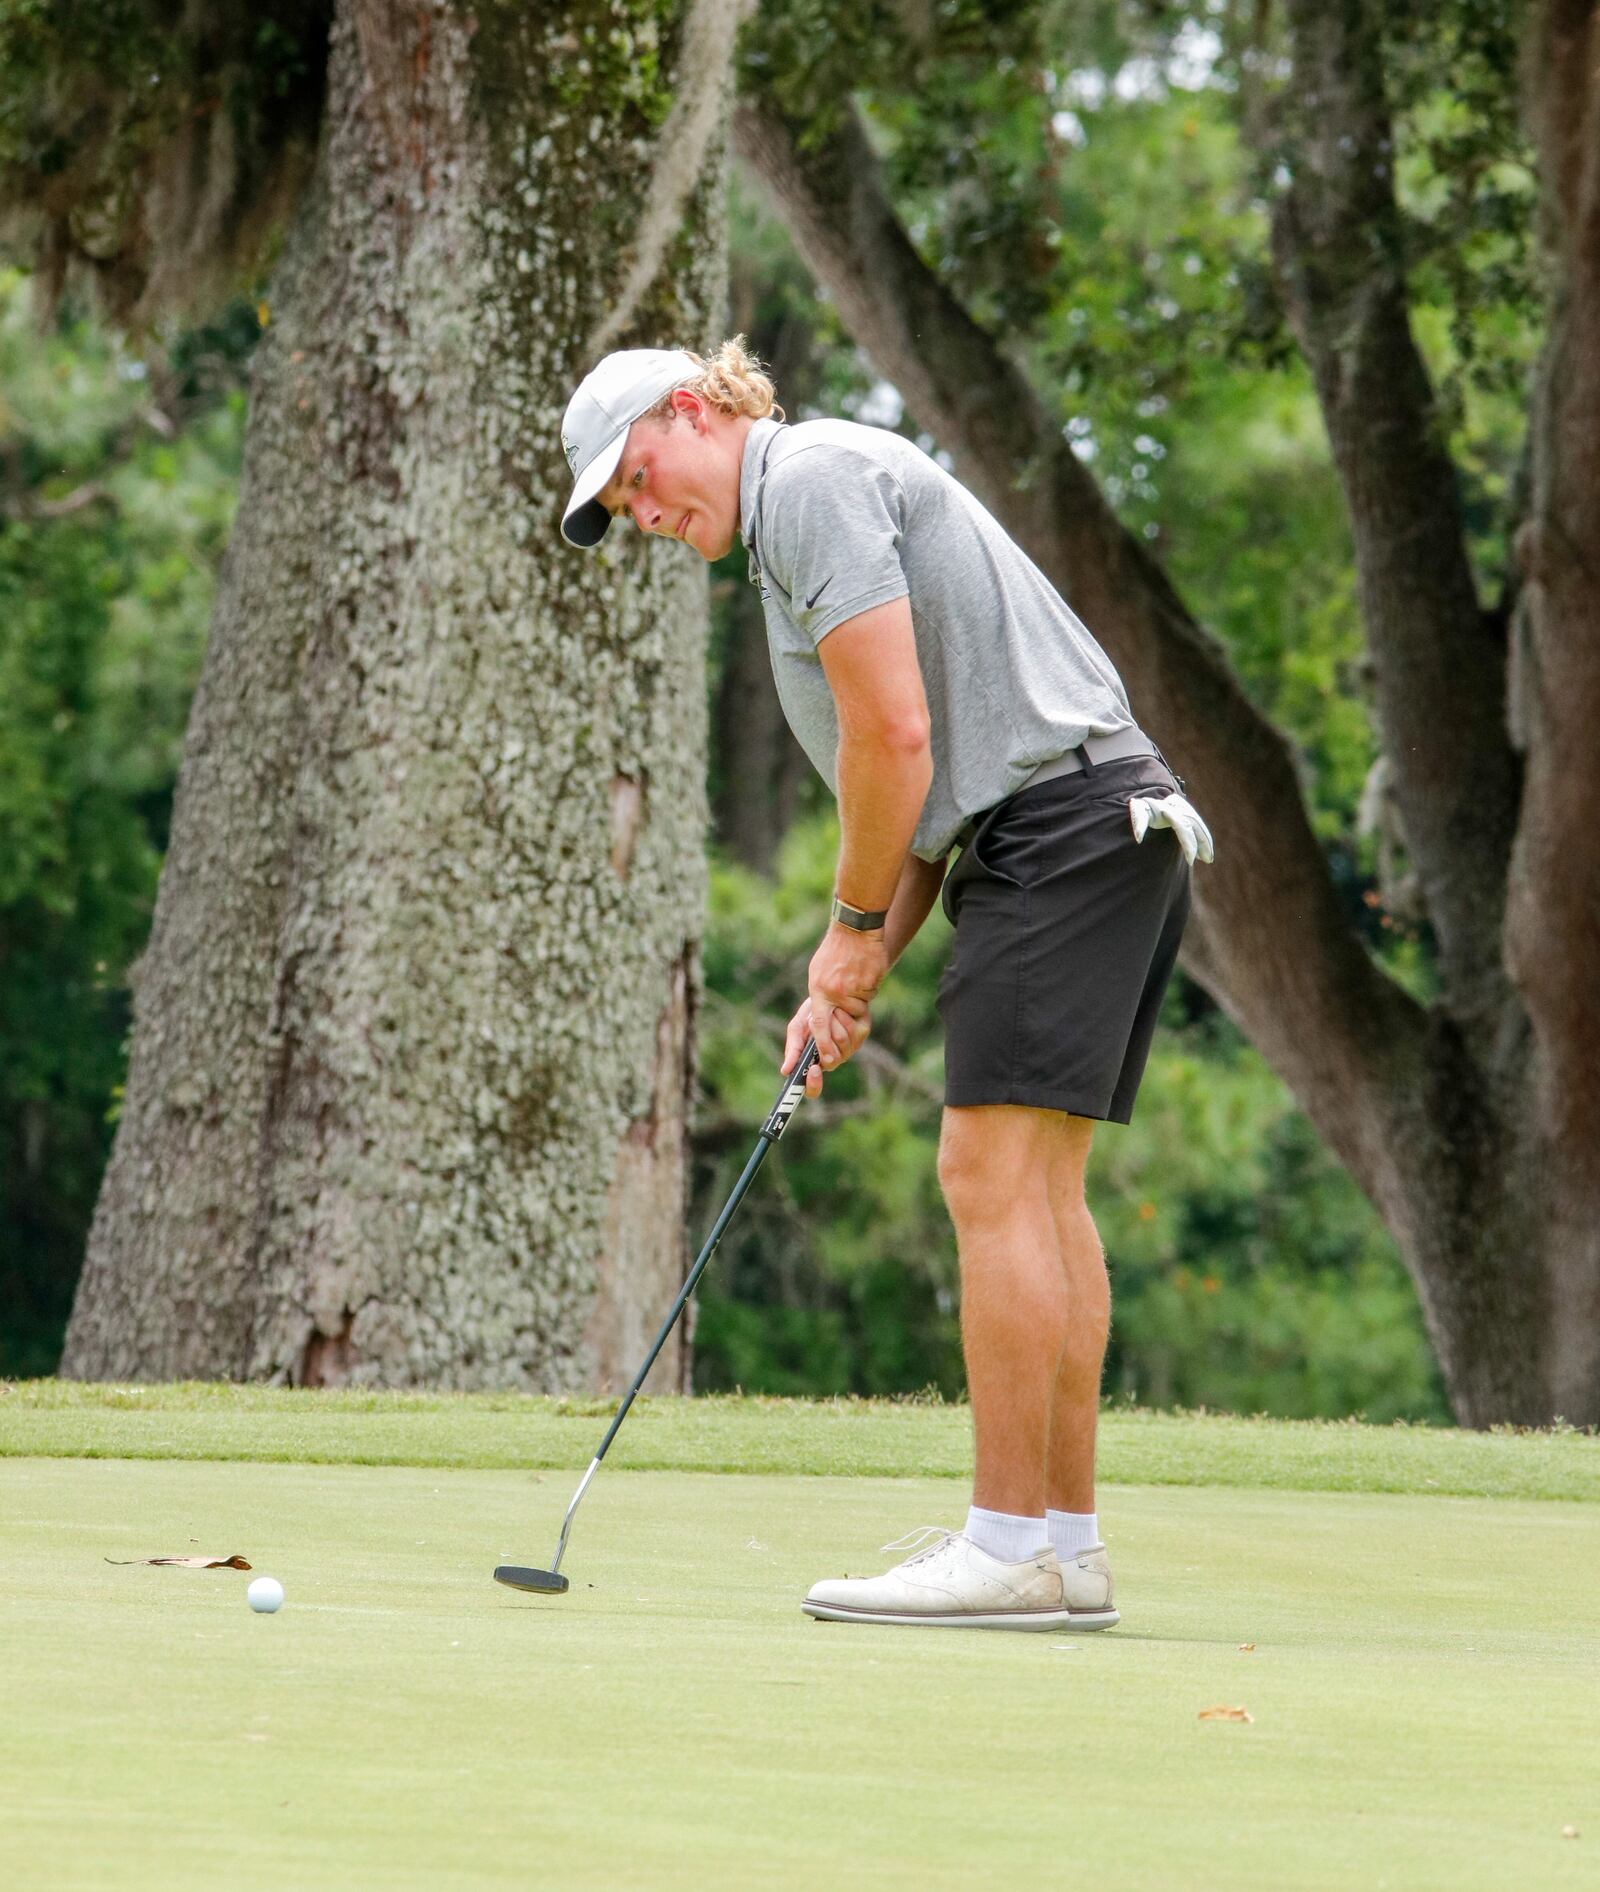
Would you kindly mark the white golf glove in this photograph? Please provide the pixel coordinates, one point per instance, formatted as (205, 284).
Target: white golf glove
(1179, 814)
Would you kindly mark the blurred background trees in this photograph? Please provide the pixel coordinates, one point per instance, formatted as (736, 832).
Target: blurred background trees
(118, 470)
(410, 1063)
(1250, 1273)
(1091, 183)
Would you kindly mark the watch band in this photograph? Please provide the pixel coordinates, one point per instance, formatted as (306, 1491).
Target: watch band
(855, 918)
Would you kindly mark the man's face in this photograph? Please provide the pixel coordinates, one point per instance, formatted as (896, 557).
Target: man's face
(679, 481)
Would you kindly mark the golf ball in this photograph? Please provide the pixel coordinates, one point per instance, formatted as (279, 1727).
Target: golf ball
(265, 1595)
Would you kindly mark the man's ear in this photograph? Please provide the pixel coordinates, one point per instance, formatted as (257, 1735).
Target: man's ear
(689, 404)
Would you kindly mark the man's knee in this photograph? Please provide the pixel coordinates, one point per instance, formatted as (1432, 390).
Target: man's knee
(993, 1158)
(959, 1165)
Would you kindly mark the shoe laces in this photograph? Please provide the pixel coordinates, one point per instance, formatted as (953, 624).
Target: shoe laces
(920, 1542)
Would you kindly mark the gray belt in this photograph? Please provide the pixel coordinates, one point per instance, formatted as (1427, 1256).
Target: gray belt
(1115, 748)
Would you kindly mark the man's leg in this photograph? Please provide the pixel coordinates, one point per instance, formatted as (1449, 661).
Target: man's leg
(996, 1164)
(1075, 1408)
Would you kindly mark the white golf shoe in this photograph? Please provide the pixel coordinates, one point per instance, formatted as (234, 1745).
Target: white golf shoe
(950, 1583)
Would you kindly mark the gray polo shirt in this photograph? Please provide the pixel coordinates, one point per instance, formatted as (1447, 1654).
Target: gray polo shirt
(852, 517)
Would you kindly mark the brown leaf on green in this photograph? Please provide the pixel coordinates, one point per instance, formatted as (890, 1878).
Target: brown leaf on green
(235, 1562)
(1223, 1713)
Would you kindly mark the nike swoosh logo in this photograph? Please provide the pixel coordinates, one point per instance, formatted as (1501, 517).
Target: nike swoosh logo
(819, 591)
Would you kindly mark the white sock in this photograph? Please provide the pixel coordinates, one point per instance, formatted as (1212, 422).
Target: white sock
(1009, 1538)
(1072, 1531)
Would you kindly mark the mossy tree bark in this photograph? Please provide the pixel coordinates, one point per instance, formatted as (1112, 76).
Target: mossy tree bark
(413, 1037)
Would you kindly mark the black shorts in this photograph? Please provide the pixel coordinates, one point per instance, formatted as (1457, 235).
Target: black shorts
(1067, 931)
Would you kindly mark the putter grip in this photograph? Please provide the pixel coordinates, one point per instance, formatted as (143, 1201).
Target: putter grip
(789, 1097)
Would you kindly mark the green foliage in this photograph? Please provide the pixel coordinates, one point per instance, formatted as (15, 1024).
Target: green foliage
(1137, 157)
(616, 56)
(1159, 333)
(1470, 196)
(1084, 180)
(1248, 1272)
(1257, 1277)
(114, 522)
(151, 143)
(838, 1275)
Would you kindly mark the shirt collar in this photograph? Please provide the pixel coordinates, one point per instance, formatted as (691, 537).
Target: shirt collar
(755, 445)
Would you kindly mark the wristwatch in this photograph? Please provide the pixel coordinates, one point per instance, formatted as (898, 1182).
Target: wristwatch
(854, 918)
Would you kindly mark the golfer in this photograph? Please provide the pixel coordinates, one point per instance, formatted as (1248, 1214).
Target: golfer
(951, 700)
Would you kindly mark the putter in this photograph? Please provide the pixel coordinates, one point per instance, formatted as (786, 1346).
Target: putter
(551, 1582)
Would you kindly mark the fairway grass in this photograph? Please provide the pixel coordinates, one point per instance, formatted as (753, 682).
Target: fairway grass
(826, 1438)
(1423, 1683)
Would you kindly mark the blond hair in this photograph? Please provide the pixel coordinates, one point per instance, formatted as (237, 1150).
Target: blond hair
(732, 381)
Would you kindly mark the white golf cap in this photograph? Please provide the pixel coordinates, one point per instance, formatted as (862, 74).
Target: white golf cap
(594, 428)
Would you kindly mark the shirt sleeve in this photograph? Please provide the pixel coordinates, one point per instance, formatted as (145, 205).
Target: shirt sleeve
(833, 522)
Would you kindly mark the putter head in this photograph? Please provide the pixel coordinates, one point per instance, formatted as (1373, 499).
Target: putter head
(519, 1577)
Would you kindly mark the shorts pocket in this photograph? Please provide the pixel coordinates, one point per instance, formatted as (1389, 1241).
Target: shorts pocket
(973, 866)
(984, 849)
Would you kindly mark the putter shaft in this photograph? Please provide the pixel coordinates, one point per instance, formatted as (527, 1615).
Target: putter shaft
(794, 1088)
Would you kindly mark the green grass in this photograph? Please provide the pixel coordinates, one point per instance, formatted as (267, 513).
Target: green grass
(822, 1438)
(1423, 1681)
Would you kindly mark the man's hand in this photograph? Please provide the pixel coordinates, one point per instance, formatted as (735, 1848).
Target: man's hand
(858, 1029)
(846, 970)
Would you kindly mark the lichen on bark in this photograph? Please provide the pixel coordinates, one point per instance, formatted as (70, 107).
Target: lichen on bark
(412, 1015)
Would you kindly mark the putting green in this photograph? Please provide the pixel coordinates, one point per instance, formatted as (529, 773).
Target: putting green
(1423, 1684)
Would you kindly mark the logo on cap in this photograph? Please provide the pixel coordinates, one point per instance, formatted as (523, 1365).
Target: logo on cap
(570, 449)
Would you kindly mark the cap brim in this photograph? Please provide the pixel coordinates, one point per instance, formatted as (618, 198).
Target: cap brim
(585, 520)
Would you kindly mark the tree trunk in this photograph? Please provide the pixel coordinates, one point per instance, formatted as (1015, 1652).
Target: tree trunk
(1553, 905)
(762, 764)
(762, 767)
(414, 1033)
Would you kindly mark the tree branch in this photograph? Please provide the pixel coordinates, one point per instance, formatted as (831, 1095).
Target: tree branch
(1439, 658)
(1267, 937)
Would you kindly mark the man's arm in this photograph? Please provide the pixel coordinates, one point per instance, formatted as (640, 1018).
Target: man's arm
(885, 766)
(878, 687)
(920, 882)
